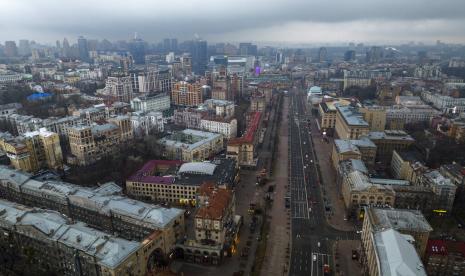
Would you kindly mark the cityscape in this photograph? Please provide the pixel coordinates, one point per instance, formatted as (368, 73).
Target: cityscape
(235, 139)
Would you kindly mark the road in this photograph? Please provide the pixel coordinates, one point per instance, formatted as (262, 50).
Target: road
(311, 235)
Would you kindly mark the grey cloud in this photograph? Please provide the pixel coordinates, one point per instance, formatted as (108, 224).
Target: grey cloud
(176, 18)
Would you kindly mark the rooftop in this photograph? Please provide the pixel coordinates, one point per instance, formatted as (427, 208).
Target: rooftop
(108, 250)
(398, 219)
(351, 115)
(396, 254)
(101, 199)
(217, 202)
(445, 247)
(252, 128)
(390, 135)
(189, 138)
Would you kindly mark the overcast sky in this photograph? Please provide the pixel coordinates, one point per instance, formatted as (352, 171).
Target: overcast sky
(291, 21)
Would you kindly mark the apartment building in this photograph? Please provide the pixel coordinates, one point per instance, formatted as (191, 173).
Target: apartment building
(56, 244)
(33, 151)
(88, 144)
(375, 116)
(103, 207)
(444, 257)
(186, 93)
(362, 149)
(327, 114)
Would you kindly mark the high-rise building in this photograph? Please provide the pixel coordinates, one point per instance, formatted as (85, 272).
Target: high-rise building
(174, 45)
(247, 49)
(83, 49)
(349, 55)
(186, 94)
(119, 89)
(167, 44)
(24, 47)
(66, 49)
(10, 49)
(199, 57)
(322, 54)
(137, 50)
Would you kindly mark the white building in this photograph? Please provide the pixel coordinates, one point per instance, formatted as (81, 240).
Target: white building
(443, 102)
(144, 123)
(159, 102)
(226, 127)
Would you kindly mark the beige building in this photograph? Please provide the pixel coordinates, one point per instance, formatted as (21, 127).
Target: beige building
(350, 123)
(391, 240)
(358, 191)
(327, 114)
(243, 149)
(90, 143)
(177, 182)
(186, 94)
(33, 150)
(362, 149)
(375, 116)
(191, 145)
(216, 210)
(405, 221)
(387, 141)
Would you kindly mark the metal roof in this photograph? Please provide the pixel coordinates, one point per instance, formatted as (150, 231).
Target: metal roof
(198, 168)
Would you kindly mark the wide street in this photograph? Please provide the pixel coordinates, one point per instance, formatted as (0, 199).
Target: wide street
(311, 234)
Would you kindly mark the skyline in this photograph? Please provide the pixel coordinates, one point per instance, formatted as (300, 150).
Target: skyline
(274, 22)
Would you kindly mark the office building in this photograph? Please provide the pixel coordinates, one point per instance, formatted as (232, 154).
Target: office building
(362, 149)
(387, 141)
(327, 115)
(83, 49)
(137, 50)
(364, 78)
(191, 145)
(199, 57)
(350, 123)
(322, 55)
(247, 49)
(186, 94)
(443, 188)
(24, 48)
(375, 116)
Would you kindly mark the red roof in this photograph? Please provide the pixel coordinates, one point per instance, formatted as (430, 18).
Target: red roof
(146, 173)
(444, 248)
(249, 135)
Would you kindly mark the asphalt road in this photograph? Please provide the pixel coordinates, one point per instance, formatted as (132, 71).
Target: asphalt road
(311, 235)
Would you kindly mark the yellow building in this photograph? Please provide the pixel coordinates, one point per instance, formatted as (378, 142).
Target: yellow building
(33, 150)
(350, 123)
(375, 116)
(362, 149)
(327, 114)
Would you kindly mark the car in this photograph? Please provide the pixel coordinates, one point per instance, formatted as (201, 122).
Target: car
(319, 244)
(314, 257)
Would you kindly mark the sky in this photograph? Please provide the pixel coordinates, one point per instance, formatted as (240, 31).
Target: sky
(279, 21)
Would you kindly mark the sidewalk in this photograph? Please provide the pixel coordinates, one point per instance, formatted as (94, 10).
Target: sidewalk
(345, 266)
(276, 257)
(328, 180)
